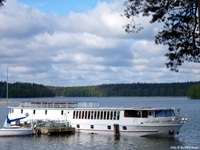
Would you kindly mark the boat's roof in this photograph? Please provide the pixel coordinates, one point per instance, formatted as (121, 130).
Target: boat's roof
(77, 105)
(127, 108)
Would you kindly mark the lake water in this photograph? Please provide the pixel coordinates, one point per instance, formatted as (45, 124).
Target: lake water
(188, 139)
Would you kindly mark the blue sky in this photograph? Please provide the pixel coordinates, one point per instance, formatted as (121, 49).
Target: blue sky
(63, 7)
(79, 43)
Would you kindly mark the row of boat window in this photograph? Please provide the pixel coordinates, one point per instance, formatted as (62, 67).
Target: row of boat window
(101, 115)
(108, 127)
(34, 112)
(114, 115)
(146, 113)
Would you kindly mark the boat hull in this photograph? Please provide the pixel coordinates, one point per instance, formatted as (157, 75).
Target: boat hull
(143, 131)
(15, 132)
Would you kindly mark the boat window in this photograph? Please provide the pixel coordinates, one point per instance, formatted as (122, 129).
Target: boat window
(101, 115)
(104, 116)
(108, 127)
(83, 114)
(79, 115)
(144, 114)
(118, 114)
(111, 115)
(132, 113)
(108, 115)
(170, 113)
(76, 114)
(95, 115)
(21, 111)
(164, 113)
(98, 115)
(34, 111)
(61, 112)
(88, 114)
(92, 126)
(45, 112)
(92, 113)
(78, 126)
(124, 128)
(73, 114)
(150, 113)
(159, 113)
(114, 115)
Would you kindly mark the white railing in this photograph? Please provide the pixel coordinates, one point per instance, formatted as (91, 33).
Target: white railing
(86, 104)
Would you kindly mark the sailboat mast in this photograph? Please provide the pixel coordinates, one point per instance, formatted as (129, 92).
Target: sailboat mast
(7, 91)
(7, 86)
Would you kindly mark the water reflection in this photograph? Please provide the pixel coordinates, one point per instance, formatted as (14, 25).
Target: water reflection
(189, 133)
(101, 141)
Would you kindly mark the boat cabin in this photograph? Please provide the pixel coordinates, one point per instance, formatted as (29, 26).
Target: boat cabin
(149, 113)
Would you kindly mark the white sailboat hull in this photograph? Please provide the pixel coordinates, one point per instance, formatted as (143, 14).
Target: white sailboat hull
(15, 131)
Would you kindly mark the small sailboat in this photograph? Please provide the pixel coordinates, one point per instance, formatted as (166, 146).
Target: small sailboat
(10, 130)
(15, 131)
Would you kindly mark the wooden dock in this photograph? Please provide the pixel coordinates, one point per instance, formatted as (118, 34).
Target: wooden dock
(54, 130)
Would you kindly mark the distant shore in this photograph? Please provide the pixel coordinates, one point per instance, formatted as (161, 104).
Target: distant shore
(5, 101)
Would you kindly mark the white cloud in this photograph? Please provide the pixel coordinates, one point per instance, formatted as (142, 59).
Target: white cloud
(82, 48)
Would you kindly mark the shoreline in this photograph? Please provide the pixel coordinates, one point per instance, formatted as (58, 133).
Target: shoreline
(5, 102)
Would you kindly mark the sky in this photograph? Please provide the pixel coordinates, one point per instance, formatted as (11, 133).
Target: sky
(81, 43)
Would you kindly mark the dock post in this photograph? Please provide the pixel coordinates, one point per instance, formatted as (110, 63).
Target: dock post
(116, 129)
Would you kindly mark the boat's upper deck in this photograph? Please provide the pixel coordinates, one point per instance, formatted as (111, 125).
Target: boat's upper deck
(76, 104)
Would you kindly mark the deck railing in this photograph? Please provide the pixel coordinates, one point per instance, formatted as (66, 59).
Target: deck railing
(86, 104)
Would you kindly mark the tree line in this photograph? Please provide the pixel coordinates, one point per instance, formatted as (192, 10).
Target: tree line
(25, 90)
(32, 90)
(134, 89)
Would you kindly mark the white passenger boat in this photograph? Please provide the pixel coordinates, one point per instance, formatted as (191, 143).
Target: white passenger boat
(89, 117)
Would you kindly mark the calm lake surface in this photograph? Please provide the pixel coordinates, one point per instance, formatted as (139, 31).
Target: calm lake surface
(188, 139)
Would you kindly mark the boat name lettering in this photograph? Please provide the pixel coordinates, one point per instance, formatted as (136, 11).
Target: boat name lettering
(154, 121)
(166, 121)
(157, 121)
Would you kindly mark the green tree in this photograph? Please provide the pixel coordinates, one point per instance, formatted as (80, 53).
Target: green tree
(194, 92)
(180, 30)
(1, 2)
